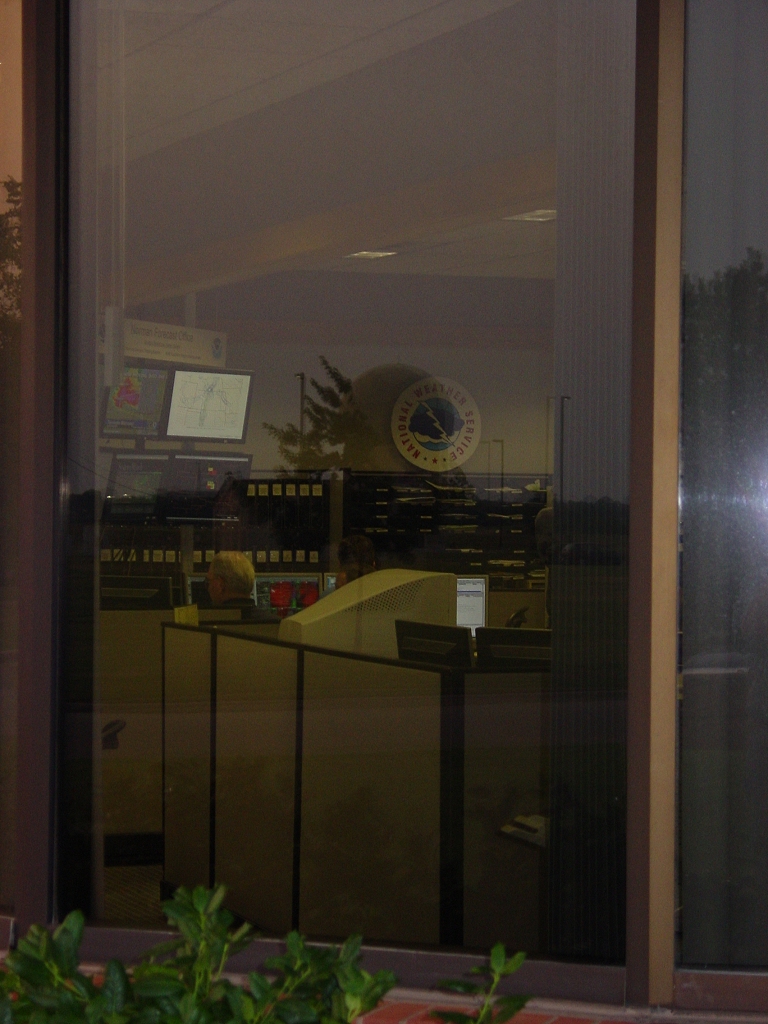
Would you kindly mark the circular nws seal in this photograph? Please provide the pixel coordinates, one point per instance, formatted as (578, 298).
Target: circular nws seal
(435, 424)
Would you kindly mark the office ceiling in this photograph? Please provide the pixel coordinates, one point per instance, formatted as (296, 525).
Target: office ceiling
(266, 136)
(193, 64)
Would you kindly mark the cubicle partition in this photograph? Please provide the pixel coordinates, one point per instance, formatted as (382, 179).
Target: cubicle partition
(335, 792)
(370, 800)
(130, 704)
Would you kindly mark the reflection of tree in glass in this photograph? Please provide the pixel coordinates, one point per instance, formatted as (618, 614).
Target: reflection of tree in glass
(339, 433)
(10, 263)
(725, 423)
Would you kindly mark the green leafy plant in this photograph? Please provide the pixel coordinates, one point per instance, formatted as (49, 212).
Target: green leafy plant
(182, 981)
(492, 1009)
(338, 434)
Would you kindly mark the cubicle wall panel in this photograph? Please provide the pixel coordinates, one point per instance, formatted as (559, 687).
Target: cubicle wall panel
(255, 777)
(505, 764)
(130, 655)
(370, 813)
(130, 690)
(187, 780)
(132, 768)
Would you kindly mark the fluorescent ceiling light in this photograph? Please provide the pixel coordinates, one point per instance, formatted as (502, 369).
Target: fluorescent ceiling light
(535, 216)
(369, 254)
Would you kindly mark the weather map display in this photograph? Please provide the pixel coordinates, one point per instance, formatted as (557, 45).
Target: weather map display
(135, 404)
(209, 406)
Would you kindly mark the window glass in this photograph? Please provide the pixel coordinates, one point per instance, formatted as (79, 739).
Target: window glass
(10, 339)
(724, 742)
(346, 566)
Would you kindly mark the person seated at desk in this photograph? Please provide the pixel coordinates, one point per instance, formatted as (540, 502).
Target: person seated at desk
(357, 557)
(230, 579)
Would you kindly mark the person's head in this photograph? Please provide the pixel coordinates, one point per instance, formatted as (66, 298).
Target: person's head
(357, 557)
(230, 576)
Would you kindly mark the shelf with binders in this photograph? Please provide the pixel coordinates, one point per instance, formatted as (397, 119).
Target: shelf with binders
(462, 523)
(277, 521)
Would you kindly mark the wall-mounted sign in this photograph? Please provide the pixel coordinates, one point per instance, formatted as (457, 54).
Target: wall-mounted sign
(169, 343)
(435, 424)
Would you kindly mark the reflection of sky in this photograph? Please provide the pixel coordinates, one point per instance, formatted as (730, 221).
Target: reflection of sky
(727, 132)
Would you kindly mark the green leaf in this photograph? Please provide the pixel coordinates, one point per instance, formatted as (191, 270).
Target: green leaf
(457, 985)
(63, 952)
(29, 968)
(163, 949)
(294, 944)
(260, 986)
(350, 951)
(38, 1017)
(72, 925)
(200, 898)
(83, 986)
(116, 989)
(498, 958)
(506, 1008)
(514, 964)
(148, 1015)
(295, 1011)
(216, 899)
(158, 988)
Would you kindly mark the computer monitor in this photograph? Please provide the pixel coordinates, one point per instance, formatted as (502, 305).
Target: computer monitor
(201, 488)
(329, 581)
(361, 616)
(134, 406)
(197, 590)
(134, 482)
(514, 650)
(209, 405)
(471, 601)
(204, 474)
(286, 594)
(134, 593)
(449, 646)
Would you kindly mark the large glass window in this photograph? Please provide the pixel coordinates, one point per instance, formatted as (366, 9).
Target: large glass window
(346, 562)
(724, 708)
(10, 340)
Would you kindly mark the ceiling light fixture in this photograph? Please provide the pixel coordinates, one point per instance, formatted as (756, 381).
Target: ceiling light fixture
(535, 216)
(369, 254)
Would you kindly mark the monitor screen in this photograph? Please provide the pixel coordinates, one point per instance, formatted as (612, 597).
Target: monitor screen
(329, 581)
(209, 406)
(204, 474)
(136, 476)
(132, 593)
(471, 596)
(197, 590)
(286, 594)
(135, 405)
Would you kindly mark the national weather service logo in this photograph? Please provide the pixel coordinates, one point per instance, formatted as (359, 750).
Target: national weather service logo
(435, 424)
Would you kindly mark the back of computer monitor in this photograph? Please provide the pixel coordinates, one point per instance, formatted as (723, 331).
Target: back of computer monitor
(514, 650)
(360, 617)
(447, 646)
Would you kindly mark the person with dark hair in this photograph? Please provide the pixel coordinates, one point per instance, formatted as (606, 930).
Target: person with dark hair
(357, 557)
